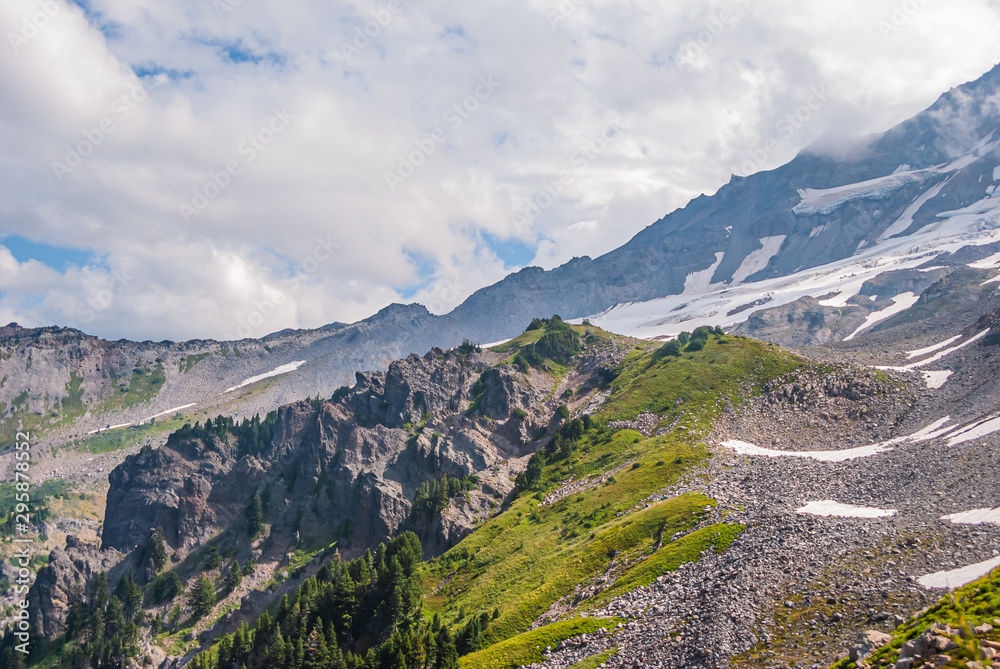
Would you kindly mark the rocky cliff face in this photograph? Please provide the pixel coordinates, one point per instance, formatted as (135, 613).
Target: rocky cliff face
(68, 574)
(346, 470)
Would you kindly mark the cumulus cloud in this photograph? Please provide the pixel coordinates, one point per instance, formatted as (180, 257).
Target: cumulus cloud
(236, 168)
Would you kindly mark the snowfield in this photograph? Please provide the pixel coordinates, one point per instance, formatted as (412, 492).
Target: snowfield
(975, 517)
(956, 578)
(745, 448)
(829, 508)
(277, 371)
(900, 303)
(932, 431)
(705, 303)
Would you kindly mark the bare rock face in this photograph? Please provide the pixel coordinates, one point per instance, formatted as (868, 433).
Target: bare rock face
(168, 488)
(69, 571)
(345, 470)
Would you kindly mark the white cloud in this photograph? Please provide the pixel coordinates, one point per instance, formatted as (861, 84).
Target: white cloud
(566, 70)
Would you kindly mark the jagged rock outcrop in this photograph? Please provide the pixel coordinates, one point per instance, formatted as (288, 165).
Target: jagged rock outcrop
(345, 470)
(68, 573)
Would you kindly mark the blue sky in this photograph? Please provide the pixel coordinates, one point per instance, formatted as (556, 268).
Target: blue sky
(319, 161)
(57, 257)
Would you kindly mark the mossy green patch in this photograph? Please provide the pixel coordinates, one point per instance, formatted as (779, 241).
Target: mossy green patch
(189, 361)
(594, 661)
(528, 647)
(696, 383)
(670, 556)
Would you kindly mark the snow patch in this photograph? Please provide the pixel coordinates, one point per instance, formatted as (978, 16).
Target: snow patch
(975, 431)
(936, 380)
(729, 305)
(277, 371)
(168, 411)
(700, 282)
(500, 343)
(906, 218)
(987, 263)
(758, 260)
(900, 303)
(823, 201)
(745, 448)
(975, 517)
(921, 352)
(996, 173)
(829, 508)
(956, 578)
(934, 358)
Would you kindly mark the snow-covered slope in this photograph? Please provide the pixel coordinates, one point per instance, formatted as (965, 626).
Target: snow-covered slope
(903, 245)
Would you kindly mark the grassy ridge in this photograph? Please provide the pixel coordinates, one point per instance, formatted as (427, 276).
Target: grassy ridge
(528, 648)
(529, 557)
(700, 380)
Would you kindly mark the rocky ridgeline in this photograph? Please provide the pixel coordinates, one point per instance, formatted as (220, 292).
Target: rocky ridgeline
(345, 470)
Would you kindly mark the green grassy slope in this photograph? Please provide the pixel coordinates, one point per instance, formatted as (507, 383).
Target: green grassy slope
(532, 555)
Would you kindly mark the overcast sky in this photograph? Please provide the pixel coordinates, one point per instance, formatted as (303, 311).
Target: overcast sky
(222, 168)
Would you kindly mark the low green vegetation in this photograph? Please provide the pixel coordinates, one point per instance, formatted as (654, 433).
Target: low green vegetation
(967, 607)
(595, 661)
(531, 555)
(689, 548)
(696, 383)
(189, 361)
(107, 441)
(38, 508)
(528, 647)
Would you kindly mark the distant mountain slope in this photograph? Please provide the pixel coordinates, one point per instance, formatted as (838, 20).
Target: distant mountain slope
(815, 229)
